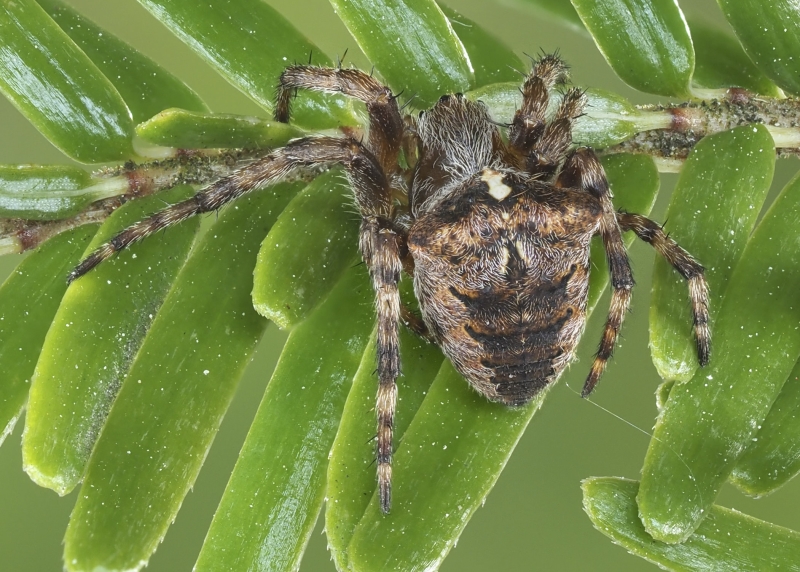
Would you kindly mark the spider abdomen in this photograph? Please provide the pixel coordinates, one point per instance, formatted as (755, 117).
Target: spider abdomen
(502, 280)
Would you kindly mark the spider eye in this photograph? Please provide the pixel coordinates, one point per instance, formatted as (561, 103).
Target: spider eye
(444, 99)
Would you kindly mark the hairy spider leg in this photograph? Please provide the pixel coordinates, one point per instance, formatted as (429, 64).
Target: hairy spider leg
(529, 120)
(382, 242)
(361, 167)
(538, 146)
(652, 233)
(556, 139)
(386, 124)
(582, 169)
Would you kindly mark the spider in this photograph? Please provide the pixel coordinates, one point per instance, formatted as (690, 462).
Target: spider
(494, 231)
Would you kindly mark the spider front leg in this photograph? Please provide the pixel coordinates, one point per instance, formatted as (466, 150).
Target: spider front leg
(361, 166)
(582, 169)
(651, 232)
(539, 146)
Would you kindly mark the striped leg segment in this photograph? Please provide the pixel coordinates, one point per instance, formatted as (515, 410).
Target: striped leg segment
(380, 247)
(652, 233)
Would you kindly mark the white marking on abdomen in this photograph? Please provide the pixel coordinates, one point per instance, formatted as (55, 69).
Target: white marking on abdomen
(497, 188)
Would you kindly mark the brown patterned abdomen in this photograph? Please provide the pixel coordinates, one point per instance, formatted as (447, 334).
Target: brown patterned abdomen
(504, 298)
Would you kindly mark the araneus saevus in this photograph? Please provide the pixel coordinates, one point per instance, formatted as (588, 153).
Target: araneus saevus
(495, 233)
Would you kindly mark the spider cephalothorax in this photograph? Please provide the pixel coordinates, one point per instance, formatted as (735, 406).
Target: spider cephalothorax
(496, 232)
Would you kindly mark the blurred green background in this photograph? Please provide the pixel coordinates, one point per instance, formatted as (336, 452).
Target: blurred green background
(533, 519)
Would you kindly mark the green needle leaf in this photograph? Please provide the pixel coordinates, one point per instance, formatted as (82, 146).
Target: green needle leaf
(721, 62)
(726, 540)
(277, 488)
(94, 337)
(708, 421)
(250, 44)
(29, 299)
(51, 192)
(176, 393)
(58, 88)
(491, 59)
(145, 86)
(774, 455)
(559, 10)
(412, 45)
(190, 130)
(770, 34)
(608, 119)
(312, 243)
(646, 42)
(713, 210)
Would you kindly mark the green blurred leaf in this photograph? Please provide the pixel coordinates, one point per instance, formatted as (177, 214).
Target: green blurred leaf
(304, 255)
(249, 43)
(276, 491)
(646, 42)
(146, 87)
(708, 421)
(770, 34)
(560, 10)
(412, 45)
(773, 456)
(58, 88)
(713, 210)
(720, 62)
(96, 332)
(351, 469)
(446, 464)
(189, 130)
(634, 181)
(491, 59)
(162, 425)
(726, 540)
(29, 299)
